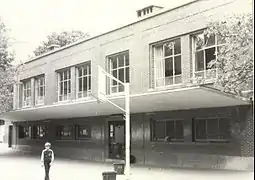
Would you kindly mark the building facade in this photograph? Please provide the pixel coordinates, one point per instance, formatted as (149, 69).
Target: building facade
(177, 120)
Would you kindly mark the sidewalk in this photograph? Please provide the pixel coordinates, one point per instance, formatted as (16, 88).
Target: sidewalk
(17, 166)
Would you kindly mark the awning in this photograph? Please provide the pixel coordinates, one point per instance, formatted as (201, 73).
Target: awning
(179, 99)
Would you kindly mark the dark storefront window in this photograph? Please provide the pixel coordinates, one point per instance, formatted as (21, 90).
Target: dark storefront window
(24, 131)
(168, 130)
(83, 132)
(212, 130)
(40, 131)
(64, 132)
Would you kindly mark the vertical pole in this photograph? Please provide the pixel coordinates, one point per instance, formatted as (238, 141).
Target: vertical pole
(127, 121)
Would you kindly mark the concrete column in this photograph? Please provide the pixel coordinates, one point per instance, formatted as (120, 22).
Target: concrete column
(73, 83)
(32, 92)
(186, 59)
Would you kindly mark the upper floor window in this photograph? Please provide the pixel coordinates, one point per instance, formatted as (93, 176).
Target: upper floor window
(205, 48)
(168, 130)
(64, 85)
(119, 68)
(167, 63)
(39, 90)
(211, 129)
(83, 80)
(27, 93)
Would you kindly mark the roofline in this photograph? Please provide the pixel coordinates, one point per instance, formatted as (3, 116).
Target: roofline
(94, 37)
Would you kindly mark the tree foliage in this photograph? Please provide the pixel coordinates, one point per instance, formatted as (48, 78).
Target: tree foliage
(6, 71)
(234, 60)
(62, 39)
(5, 56)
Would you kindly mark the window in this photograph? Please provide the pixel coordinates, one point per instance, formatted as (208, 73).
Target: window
(212, 129)
(168, 130)
(167, 63)
(83, 132)
(40, 131)
(64, 85)
(24, 131)
(27, 93)
(83, 80)
(39, 90)
(65, 132)
(205, 51)
(119, 68)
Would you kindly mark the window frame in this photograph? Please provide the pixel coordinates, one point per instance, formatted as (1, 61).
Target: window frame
(61, 137)
(39, 100)
(173, 140)
(117, 69)
(173, 56)
(88, 76)
(77, 129)
(68, 81)
(206, 71)
(26, 129)
(210, 140)
(27, 100)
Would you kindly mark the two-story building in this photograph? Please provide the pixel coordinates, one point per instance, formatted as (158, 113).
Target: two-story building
(175, 120)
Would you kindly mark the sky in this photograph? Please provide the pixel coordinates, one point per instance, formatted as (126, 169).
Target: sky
(30, 21)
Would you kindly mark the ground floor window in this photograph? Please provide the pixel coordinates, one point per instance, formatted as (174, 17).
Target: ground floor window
(40, 131)
(24, 131)
(168, 130)
(83, 132)
(64, 132)
(211, 129)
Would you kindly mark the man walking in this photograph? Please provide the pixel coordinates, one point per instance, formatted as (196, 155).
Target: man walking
(47, 158)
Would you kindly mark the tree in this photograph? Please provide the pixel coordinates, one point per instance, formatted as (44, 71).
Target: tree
(6, 70)
(62, 39)
(234, 60)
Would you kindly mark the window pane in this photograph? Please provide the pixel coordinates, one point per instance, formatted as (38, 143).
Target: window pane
(114, 89)
(69, 86)
(200, 129)
(168, 49)
(65, 87)
(209, 55)
(121, 74)
(127, 75)
(199, 39)
(126, 59)
(80, 84)
(199, 61)
(83, 132)
(65, 75)
(177, 65)
(114, 73)
(177, 46)
(170, 130)
(85, 84)
(179, 129)
(114, 62)
(61, 88)
(159, 132)
(121, 88)
(210, 41)
(79, 72)
(212, 129)
(224, 131)
(169, 67)
(89, 78)
(60, 77)
(121, 60)
(41, 91)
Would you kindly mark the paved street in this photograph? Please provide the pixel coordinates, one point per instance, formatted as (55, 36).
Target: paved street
(14, 166)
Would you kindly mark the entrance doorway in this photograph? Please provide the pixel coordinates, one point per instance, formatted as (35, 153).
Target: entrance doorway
(116, 139)
(10, 136)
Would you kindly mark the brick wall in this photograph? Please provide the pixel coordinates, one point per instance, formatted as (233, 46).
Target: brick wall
(136, 38)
